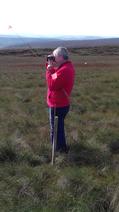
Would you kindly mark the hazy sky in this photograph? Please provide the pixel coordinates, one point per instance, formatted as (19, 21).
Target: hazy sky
(60, 17)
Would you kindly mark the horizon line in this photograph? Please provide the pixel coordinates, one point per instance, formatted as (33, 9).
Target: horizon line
(58, 36)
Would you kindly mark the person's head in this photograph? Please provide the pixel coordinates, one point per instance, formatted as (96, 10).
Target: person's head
(61, 55)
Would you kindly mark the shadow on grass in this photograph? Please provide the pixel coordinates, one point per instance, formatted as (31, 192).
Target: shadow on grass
(114, 147)
(82, 154)
(14, 151)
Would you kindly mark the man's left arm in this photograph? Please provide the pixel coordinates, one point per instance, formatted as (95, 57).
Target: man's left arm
(56, 80)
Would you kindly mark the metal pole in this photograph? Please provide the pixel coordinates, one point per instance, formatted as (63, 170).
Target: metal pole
(54, 137)
(34, 53)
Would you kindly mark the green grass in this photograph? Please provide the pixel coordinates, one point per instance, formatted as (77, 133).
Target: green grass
(85, 180)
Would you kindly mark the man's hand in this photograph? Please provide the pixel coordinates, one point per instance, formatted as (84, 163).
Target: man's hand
(50, 65)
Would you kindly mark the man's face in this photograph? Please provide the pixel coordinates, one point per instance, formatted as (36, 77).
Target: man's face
(58, 59)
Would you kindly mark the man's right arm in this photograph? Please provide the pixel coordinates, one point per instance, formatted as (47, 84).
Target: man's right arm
(56, 80)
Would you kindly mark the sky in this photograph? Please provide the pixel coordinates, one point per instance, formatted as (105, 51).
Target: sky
(59, 17)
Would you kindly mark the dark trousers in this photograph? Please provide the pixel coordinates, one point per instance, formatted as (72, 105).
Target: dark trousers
(61, 112)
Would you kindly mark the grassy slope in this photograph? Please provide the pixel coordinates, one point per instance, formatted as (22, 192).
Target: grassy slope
(85, 180)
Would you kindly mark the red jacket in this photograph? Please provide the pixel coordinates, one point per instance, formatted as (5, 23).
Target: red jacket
(60, 82)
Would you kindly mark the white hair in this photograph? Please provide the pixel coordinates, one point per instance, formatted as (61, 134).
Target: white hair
(61, 51)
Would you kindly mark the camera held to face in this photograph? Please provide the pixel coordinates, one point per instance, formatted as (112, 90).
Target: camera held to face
(50, 58)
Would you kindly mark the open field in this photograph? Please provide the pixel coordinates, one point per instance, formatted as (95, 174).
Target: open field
(85, 180)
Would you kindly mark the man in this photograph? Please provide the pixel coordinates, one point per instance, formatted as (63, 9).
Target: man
(60, 81)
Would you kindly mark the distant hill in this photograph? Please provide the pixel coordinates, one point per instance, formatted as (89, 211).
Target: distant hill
(45, 42)
(21, 42)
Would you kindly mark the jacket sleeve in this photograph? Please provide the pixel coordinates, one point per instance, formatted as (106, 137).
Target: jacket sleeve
(57, 80)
